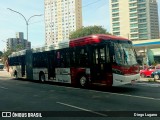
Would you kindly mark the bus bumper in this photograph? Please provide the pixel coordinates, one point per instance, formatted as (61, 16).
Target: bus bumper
(124, 79)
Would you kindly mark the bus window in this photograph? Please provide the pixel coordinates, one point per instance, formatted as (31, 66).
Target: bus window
(40, 60)
(102, 55)
(107, 55)
(96, 55)
(63, 58)
(72, 58)
(82, 57)
(124, 54)
(99, 55)
(67, 58)
(59, 59)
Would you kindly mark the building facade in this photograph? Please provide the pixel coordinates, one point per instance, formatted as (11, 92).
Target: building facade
(18, 43)
(61, 18)
(134, 19)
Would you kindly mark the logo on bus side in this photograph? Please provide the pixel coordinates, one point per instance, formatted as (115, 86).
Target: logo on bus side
(62, 71)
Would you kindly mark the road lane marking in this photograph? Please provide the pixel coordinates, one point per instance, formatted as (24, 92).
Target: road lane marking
(3, 87)
(126, 95)
(83, 109)
(142, 97)
(147, 84)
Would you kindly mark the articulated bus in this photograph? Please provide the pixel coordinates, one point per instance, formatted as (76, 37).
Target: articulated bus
(96, 59)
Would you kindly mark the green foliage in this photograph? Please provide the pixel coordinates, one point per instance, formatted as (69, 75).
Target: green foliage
(150, 80)
(154, 63)
(6, 54)
(9, 52)
(18, 48)
(1, 53)
(89, 30)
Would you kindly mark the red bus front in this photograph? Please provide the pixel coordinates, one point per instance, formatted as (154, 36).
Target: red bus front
(110, 60)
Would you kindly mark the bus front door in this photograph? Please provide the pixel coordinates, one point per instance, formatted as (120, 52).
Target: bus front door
(101, 67)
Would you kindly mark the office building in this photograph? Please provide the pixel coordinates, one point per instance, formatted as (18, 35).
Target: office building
(134, 19)
(18, 42)
(61, 18)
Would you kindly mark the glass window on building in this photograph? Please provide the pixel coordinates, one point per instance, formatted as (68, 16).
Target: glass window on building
(132, 0)
(141, 5)
(133, 10)
(113, 1)
(134, 35)
(116, 29)
(115, 14)
(132, 4)
(133, 14)
(141, 10)
(133, 30)
(115, 19)
(142, 30)
(139, 1)
(142, 25)
(133, 20)
(143, 36)
(133, 25)
(142, 20)
(116, 33)
(115, 24)
(115, 10)
(115, 5)
(141, 15)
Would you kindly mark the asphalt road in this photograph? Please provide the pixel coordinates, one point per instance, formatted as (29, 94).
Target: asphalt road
(63, 101)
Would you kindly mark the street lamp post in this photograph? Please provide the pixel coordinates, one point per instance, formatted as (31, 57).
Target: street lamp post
(26, 20)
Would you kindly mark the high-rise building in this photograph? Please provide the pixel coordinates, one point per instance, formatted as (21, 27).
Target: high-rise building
(134, 19)
(18, 43)
(61, 18)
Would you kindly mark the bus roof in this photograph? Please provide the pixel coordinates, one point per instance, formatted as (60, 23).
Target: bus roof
(91, 39)
(18, 53)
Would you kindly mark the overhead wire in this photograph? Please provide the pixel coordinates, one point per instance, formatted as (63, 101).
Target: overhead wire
(91, 3)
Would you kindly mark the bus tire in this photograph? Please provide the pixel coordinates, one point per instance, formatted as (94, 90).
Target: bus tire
(83, 81)
(42, 77)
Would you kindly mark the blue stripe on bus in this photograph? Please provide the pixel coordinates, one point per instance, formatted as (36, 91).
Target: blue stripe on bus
(146, 44)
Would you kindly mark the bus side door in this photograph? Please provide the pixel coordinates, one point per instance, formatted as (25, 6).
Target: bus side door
(101, 65)
(51, 64)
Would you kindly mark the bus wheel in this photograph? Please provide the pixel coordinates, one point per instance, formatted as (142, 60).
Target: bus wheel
(83, 82)
(42, 77)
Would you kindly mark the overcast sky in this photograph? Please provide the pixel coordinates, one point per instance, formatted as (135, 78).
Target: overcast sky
(10, 22)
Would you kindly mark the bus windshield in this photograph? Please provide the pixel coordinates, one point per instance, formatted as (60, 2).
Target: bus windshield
(124, 53)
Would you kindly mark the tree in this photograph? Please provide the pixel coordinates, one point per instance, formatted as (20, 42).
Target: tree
(1, 53)
(89, 30)
(9, 52)
(19, 47)
(6, 54)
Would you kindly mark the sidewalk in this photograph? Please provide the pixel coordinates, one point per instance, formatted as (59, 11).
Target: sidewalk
(4, 73)
(149, 80)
